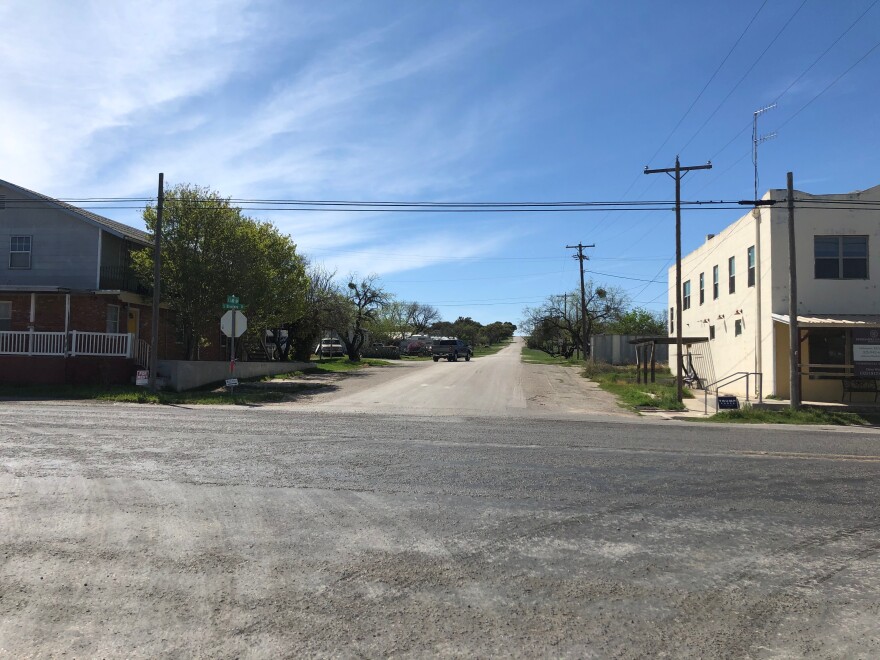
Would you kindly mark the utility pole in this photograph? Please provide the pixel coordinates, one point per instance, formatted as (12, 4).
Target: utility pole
(756, 214)
(793, 331)
(157, 277)
(679, 173)
(580, 257)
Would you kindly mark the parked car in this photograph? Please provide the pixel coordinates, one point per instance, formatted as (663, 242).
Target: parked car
(330, 348)
(451, 349)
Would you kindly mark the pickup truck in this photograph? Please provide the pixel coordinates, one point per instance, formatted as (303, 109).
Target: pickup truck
(451, 349)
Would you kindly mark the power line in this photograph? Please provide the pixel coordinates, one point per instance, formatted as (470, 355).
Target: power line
(744, 76)
(712, 77)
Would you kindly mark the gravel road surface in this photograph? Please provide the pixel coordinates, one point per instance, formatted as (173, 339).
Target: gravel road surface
(146, 531)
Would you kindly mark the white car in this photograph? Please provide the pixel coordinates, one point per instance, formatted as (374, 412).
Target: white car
(330, 348)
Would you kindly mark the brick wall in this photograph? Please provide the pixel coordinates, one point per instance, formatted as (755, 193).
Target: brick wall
(80, 370)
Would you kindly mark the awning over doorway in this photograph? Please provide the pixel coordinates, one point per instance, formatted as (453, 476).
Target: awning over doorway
(833, 320)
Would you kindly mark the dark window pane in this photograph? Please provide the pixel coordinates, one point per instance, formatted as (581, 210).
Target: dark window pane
(826, 246)
(855, 246)
(855, 269)
(827, 269)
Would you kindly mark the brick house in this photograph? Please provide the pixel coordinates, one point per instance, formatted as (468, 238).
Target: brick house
(71, 310)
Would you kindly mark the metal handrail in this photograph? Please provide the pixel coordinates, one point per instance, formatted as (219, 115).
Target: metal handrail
(732, 378)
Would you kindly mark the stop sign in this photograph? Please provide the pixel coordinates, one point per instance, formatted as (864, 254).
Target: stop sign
(230, 318)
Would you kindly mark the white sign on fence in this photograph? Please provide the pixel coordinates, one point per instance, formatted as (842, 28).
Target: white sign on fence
(142, 377)
(231, 382)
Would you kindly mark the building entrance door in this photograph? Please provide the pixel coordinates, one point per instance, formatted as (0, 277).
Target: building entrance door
(134, 321)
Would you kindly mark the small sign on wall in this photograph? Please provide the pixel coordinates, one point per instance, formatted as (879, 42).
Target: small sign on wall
(231, 382)
(142, 377)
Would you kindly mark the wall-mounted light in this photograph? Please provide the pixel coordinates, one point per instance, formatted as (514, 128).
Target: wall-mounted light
(739, 311)
(721, 316)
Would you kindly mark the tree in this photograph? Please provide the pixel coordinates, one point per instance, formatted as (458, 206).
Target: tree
(303, 331)
(355, 310)
(639, 321)
(559, 326)
(209, 251)
(420, 317)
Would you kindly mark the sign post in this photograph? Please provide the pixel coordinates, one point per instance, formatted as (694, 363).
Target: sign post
(232, 324)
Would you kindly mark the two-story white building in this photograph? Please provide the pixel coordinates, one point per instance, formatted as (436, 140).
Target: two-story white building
(735, 290)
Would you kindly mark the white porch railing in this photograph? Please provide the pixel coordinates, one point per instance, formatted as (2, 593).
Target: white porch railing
(142, 353)
(101, 343)
(32, 343)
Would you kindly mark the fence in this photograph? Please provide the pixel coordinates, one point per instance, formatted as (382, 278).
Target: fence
(616, 349)
(32, 343)
(29, 342)
(101, 343)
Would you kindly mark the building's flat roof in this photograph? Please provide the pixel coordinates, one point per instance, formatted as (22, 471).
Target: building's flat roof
(833, 320)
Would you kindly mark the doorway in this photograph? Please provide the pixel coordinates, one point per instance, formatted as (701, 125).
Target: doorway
(134, 321)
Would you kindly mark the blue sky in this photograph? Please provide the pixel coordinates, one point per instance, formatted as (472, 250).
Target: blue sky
(446, 101)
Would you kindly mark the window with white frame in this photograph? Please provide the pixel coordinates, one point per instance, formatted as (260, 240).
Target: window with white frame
(737, 328)
(841, 257)
(702, 288)
(671, 320)
(113, 318)
(5, 315)
(714, 282)
(686, 295)
(20, 252)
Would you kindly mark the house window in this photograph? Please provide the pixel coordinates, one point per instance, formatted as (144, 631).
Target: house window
(714, 282)
(20, 252)
(686, 295)
(737, 327)
(731, 275)
(5, 315)
(711, 332)
(671, 320)
(751, 264)
(113, 318)
(702, 288)
(841, 257)
(2, 202)
(827, 348)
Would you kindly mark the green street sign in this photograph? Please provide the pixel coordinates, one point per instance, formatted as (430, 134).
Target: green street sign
(231, 300)
(230, 305)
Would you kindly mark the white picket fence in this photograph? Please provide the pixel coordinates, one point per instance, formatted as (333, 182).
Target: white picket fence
(29, 342)
(101, 343)
(32, 343)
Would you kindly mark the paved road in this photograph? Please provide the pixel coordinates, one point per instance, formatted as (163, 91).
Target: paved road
(495, 385)
(263, 532)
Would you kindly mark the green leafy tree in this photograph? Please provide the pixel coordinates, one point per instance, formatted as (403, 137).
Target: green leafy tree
(209, 251)
(638, 321)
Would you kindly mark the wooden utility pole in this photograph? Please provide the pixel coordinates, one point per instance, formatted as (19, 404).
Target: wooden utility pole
(794, 339)
(157, 277)
(580, 257)
(679, 173)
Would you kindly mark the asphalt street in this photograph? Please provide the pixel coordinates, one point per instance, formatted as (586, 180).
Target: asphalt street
(275, 531)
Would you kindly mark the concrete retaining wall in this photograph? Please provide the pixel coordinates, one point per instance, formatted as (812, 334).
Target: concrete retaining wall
(181, 375)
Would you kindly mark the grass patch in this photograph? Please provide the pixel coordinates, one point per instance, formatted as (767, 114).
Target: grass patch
(483, 351)
(534, 356)
(756, 415)
(621, 382)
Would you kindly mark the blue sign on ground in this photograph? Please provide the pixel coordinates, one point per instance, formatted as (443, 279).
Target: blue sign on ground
(728, 403)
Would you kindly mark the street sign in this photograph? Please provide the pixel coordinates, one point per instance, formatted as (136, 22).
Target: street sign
(233, 323)
(232, 303)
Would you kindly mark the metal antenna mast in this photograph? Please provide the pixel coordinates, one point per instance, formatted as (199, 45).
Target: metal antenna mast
(756, 140)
